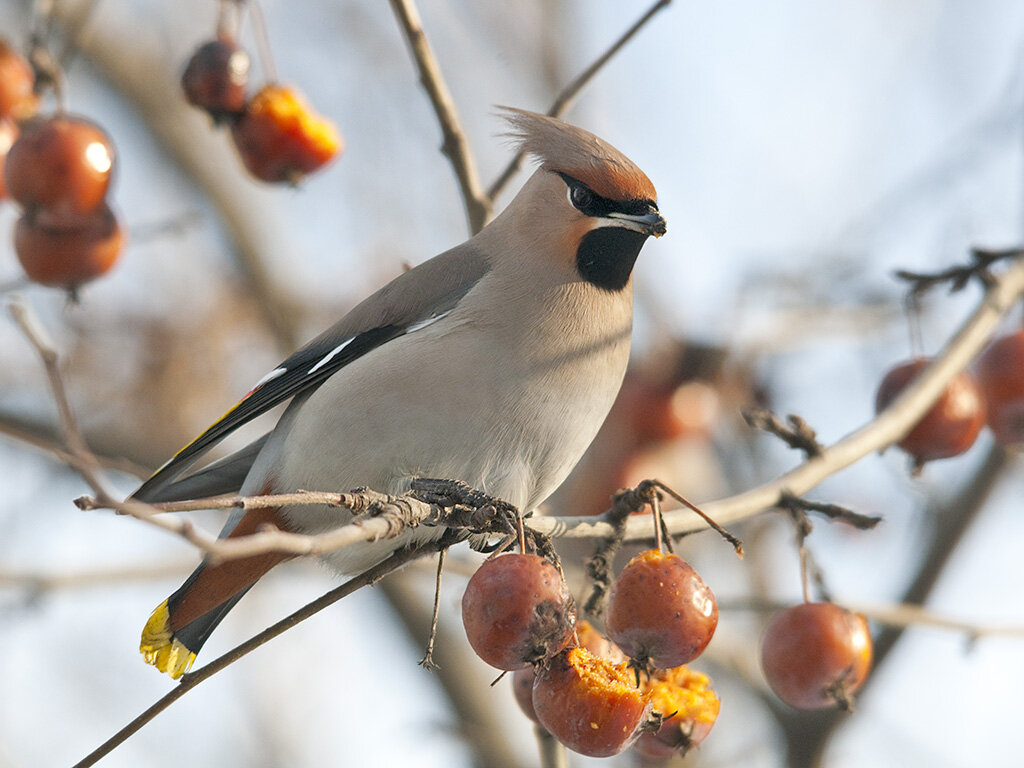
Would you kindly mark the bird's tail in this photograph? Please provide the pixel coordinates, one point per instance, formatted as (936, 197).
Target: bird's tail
(180, 625)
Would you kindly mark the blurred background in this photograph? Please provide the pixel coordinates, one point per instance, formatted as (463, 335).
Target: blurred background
(802, 151)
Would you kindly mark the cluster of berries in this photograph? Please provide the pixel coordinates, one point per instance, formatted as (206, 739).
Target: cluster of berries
(992, 394)
(597, 695)
(58, 169)
(278, 136)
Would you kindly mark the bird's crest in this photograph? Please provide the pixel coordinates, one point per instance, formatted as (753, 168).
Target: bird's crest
(580, 154)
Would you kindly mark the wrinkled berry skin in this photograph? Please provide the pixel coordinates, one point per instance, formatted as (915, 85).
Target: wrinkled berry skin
(517, 611)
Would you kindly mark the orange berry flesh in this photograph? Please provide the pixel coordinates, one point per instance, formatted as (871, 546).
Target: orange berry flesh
(660, 612)
(280, 138)
(816, 655)
(589, 704)
(517, 611)
(589, 638)
(953, 423)
(1000, 372)
(690, 707)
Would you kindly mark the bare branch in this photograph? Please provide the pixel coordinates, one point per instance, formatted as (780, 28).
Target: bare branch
(567, 97)
(456, 145)
(192, 679)
(887, 428)
(43, 437)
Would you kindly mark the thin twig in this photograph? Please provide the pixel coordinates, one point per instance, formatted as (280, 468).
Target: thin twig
(796, 432)
(567, 97)
(427, 662)
(737, 545)
(832, 511)
(192, 679)
(455, 146)
(958, 277)
(42, 437)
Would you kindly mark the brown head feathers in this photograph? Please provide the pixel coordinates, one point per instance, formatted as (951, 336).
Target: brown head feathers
(578, 153)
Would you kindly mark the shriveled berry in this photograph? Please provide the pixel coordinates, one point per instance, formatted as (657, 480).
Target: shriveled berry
(517, 611)
(953, 423)
(689, 706)
(660, 612)
(816, 655)
(1000, 371)
(281, 139)
(65, 253)
(216, 78)
(17, 99)
(62, 163)
(590, 704)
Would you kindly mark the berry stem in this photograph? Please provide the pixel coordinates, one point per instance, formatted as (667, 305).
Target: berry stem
(655, 503)
(259, 25)
(737, 545)
(229, 18)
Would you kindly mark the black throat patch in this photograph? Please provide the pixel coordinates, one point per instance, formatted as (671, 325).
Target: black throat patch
(606, 256)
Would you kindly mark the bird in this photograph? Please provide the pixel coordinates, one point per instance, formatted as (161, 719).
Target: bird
(493, 363)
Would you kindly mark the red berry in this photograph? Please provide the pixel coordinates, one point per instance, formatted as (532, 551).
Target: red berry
(589, 704)
(17, 99)
(816, 655)
(281, 139)
(517, 611)
(690, 707)
(660, 612)
(67, 252)
(216, 78)
(953, 423)
(522, 689)
(1000, 371)
(61, 163)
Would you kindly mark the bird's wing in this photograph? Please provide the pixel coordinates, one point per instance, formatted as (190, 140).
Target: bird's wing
(411, 301)
(222, 476)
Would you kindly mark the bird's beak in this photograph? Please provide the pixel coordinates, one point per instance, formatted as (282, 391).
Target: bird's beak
(650, 223)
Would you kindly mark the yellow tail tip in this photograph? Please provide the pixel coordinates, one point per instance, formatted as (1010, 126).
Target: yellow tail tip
(161, 648)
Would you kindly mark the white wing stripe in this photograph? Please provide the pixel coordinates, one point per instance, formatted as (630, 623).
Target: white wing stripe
(329, 356)
(411, 329)
(271, 376)
(424, 323)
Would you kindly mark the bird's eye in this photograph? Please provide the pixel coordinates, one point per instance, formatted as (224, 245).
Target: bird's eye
(580, 196)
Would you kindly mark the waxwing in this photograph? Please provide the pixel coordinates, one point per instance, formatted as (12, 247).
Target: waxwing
(493, 363)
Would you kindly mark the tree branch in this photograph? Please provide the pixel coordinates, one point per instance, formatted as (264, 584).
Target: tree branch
(456, 145)
(887, 428)
(192, 679)
(567, 97)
